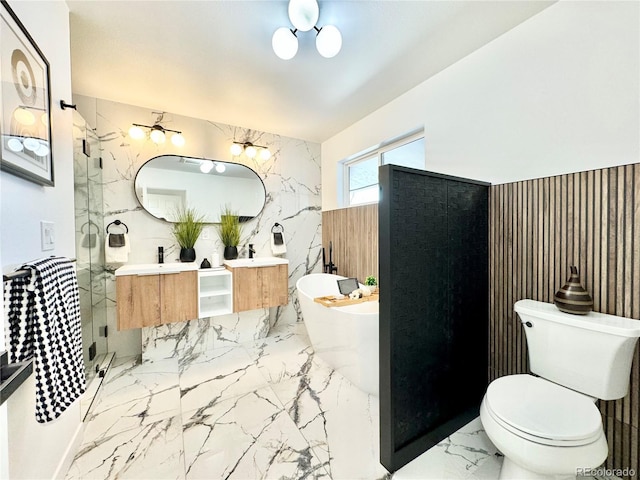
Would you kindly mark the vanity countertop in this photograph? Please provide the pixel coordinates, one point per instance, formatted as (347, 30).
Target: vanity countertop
(156, 268)
(256, 262)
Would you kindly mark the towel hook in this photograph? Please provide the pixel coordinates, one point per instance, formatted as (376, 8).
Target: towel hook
(277, 228)
(118, 222)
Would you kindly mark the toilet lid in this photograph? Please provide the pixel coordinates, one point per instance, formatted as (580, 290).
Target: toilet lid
(543, 409)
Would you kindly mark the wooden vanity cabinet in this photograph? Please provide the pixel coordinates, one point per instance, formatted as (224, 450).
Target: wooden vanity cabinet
(260, 287)
(154, 299)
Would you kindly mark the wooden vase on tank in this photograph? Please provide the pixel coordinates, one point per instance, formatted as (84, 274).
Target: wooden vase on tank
(572, 297)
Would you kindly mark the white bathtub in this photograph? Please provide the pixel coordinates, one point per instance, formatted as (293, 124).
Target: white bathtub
(344, 337)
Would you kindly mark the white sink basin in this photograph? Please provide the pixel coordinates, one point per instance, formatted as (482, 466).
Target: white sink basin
(156, 268)
(256, 262)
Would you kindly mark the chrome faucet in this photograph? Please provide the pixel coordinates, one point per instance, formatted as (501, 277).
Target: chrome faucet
(251, 250)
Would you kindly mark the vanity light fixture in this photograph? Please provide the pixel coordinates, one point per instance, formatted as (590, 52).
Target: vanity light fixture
(303, 15)
(207, 165)
(250, 150)
(157, 133)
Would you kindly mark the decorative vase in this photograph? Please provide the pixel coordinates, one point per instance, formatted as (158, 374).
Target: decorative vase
(572, 298)
(230, 253)
(187, 254)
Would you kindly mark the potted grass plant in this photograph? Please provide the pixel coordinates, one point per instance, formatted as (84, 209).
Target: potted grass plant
(186, 229)
(230, 231)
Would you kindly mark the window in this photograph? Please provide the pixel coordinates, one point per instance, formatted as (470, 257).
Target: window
(363, 181)
(361, 173)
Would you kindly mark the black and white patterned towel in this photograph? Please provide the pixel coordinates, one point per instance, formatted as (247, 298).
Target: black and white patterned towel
(44, 324)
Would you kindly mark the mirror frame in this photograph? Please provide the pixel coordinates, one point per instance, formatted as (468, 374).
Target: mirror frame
(241, 218)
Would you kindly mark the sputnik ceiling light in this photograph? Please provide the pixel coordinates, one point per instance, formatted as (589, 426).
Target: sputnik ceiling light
(157, 133)
(250, 150)
(304, 16)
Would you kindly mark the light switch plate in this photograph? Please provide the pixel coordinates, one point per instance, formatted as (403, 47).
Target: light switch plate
(47, 235)
(206, 233)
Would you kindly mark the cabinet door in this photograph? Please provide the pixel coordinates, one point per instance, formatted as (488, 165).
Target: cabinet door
(275, 285)
(137, 301)
(247, 289)
(179, 296)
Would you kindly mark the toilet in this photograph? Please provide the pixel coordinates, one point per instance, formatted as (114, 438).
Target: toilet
(546, 424)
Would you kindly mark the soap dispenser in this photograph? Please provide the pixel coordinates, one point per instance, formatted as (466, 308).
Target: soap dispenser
(160, 254)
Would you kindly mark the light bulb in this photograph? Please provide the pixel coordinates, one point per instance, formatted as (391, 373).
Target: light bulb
(206, 166)
(15, 145)
(157, 136)
(136, 132)
(44, 119)
(24, 116)
(42, 150)
(329, 41)
(303, 14)
(265, 154)
(177, 139)
(31, 144)
(220, 168)
(236, 149)
(250, 151)
(284, 43)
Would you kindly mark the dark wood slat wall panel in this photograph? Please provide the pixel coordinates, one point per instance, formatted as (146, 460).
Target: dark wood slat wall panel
(354, 233)
(538, 228)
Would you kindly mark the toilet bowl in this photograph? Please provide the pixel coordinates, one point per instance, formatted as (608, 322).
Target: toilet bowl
(541, 428)
(547, 425)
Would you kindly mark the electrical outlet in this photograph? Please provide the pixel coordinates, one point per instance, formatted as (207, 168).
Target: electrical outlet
(206, 233)
(47, 235)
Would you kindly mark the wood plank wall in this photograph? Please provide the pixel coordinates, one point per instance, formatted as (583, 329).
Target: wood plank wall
(538, 228)
(354, 234)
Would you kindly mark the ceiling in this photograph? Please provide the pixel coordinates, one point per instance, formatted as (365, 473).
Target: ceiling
(213, 59)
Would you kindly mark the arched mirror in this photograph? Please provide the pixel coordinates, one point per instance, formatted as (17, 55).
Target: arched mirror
(166, 184)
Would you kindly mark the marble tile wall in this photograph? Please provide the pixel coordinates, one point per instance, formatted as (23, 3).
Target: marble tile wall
(292, 181)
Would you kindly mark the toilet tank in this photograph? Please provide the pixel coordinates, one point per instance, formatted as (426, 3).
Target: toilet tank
(589, 353)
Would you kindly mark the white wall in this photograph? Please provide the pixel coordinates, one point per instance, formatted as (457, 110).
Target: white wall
(556, 94)
(4, 425)
(37, 450)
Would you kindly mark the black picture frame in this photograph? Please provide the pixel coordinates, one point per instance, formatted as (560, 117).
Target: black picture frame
(25, 103)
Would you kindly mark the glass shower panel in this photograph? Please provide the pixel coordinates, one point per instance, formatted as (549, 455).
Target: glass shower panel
(96, 257)
(89, 240)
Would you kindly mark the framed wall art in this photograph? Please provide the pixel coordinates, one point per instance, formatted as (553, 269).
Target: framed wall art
(25, 103)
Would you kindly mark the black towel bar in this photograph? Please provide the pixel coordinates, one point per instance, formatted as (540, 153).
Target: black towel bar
(20, 274)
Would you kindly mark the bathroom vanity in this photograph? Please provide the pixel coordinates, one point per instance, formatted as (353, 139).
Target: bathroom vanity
(149, 295)
(259, 282)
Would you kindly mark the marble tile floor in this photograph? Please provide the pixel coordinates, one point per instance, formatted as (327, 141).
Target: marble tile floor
(266, 409)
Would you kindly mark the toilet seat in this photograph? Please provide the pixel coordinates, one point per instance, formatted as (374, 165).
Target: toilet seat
(543, 412)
